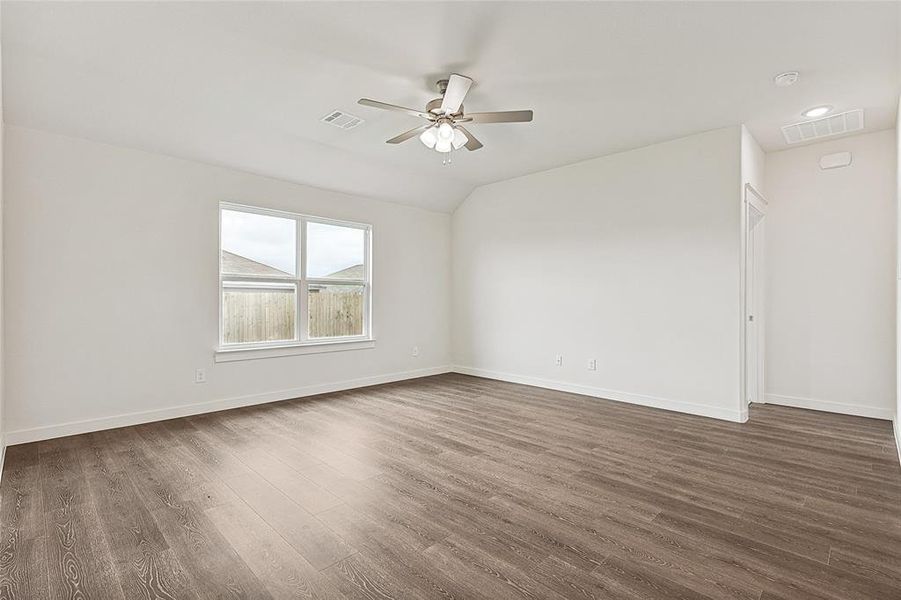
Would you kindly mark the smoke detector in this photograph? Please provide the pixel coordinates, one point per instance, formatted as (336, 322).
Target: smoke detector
(786, 79)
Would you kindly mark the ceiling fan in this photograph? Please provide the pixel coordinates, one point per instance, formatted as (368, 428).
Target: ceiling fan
(444, 131)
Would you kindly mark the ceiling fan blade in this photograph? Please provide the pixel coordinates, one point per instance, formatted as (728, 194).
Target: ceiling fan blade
(510, 116)
(457, 88)
(386, 106)
(471, 142)
(408, 134)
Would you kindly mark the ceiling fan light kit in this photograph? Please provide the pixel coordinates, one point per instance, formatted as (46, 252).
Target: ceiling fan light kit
(444, 132)
(443, 137)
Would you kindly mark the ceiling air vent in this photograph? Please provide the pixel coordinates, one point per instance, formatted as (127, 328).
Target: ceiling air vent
(342, 119)
(804, 131)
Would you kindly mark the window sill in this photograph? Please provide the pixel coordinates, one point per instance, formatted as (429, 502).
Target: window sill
(291, 349)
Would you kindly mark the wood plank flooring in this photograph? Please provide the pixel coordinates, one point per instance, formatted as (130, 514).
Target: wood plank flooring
(457, 487)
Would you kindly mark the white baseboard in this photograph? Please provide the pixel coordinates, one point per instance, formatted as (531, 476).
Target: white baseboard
(691, 408)
(857, 410)
(2, 454)
(896, 426)
(36, 434)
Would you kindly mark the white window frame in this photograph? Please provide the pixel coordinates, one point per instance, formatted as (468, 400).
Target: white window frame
(302, 342)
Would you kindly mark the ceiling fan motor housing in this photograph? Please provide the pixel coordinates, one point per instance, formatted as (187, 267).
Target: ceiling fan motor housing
(434, 107)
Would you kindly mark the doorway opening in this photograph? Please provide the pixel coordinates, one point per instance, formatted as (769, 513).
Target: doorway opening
(754, 301)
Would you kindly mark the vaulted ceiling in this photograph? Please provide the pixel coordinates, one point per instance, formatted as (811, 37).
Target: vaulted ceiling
(245, 84)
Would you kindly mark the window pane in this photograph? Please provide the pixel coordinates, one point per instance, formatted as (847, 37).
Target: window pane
(257, 312)
(255, 244)
(334, 252)
(335, 310)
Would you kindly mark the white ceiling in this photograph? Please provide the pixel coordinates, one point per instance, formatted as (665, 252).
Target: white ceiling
(246, 84)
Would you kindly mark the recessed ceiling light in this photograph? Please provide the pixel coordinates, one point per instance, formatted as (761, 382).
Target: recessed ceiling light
(817, 111)
(786, 79)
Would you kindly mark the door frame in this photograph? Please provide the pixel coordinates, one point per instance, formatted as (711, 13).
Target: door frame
(752, 199)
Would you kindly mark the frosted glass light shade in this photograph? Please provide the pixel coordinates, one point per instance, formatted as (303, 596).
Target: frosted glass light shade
(444, 145)
(429, 137)
(445, 131)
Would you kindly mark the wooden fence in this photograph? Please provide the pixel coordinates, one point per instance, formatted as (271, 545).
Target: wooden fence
(334, 313)
(268, 315)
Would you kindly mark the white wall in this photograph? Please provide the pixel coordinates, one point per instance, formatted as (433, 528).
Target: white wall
(831, 246)
(753, 162)
(2, 397)
(630, 259)
(897, 417)
(111, 287)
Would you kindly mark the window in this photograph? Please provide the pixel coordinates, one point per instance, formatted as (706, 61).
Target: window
(290, 279)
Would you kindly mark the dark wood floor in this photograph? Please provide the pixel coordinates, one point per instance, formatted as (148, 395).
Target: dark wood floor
(457, 487)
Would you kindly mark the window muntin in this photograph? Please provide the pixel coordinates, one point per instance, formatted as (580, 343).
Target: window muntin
(265, 302)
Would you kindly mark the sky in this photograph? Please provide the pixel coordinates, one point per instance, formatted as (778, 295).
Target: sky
(270, 240)
(331, 248)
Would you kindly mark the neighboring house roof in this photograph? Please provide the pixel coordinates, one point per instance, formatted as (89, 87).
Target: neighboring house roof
(354, 272)
(235, 264)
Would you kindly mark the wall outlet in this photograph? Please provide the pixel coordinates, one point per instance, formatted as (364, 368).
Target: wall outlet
(559, 360)
(200, 376)
(415, 351)
(593, 365)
